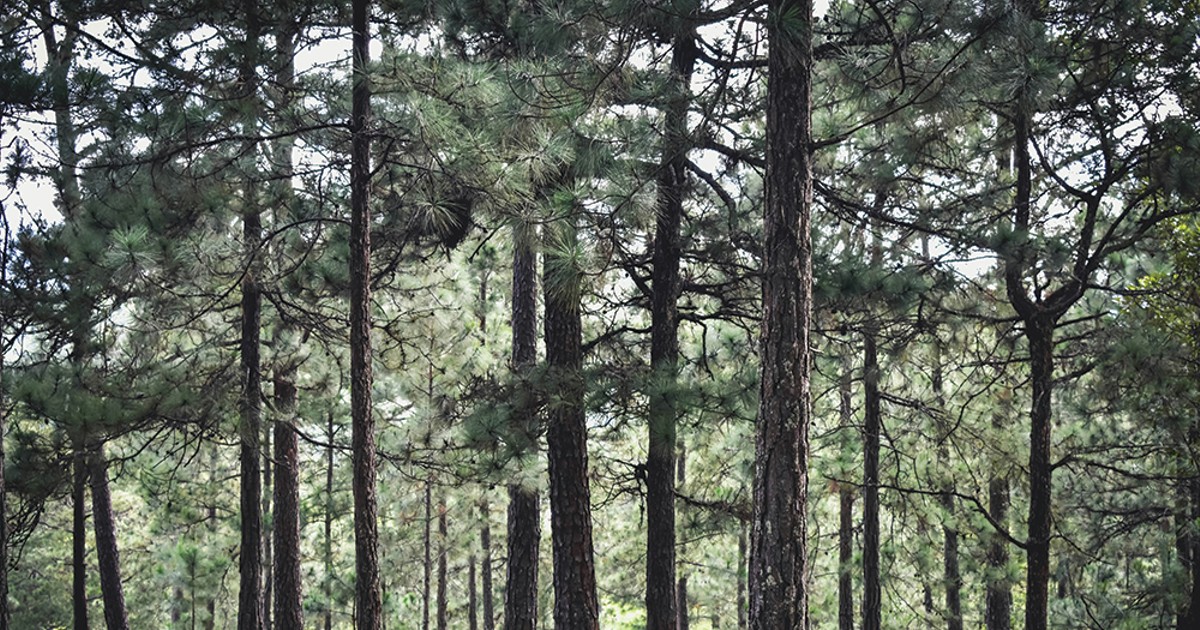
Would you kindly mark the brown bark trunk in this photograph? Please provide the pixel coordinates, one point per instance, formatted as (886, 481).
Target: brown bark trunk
(1041, 347)
(998, 612)
(442, 600)
(111, 589)
(845, 514)
(485, 540)
(524, 511)
(427, 582)
(950, 571)
(368, 596)
(778, 575)
(664, 344)
(327, 547)
(1191, 544)
(872, 600)
(524, 532)
(250, 594)
(575, 602)
(741, 578)
(79, 536)
(268, 562)
(682, 620)
(845, 557)
(4, 612)
(288, 596)
(472, 595)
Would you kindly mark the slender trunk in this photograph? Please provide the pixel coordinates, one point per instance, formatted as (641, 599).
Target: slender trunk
(111, 589)
(950, 571)
(999, 591)
(845, 513)
(664, 344)
(472, 595)
(1041, 348)
(268, 562)
(368, 596)
(524, 510)
(250, 593)
(845, 557)
(442, 601)
(485, 540)
(327, 546)
(79, 536)
(4, 613)
(681, 590)
(288, 597)
(741, 578)
(575, 602)
(428, 567)
(1192, 543)
(872, 601)
(778, 548)
(287, 594)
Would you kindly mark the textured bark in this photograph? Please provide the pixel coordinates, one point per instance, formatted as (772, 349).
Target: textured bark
(778, 548)
(1190, 545)
(682, 620)
(250, 594)
(368, 596)
(327, 546)
(4, 612)
(950, 572)
(268, 561)
(288, 597)
(524, 511)
(664, 345)
(1037, 580)
(79, 479)
(472, 595)
(427, 576)
(845, 557)
(442, 601)
(845, 514)
(741, 578)
(998, 612)
(872, 601)
(111, 589)
(485, 541)
(575, 602)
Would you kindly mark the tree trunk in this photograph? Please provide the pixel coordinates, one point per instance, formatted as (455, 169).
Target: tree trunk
(999, 592)
(250, 594)
(79, 536)
(575, 603)
(472, 595)
(442, 600)
(111, 589)
(845, 513)
(778, 548)
(664, 343)
(268, 562)
(845, 557)
(327, 547)
(950, 571)
(368, 596)
(428, 567)
(524, 511)
(683, 619)
(1191, 545)
(872, 601)
(4, 613)
(1041, 348)
(485, 540)
(288, 597)
(741, 578)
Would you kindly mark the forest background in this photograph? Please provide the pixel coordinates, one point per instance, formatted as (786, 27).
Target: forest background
(600, 314)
